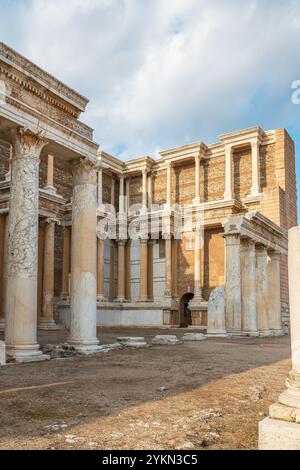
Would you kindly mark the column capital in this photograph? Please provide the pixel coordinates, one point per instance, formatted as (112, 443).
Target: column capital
(26, 143)
(84, 171)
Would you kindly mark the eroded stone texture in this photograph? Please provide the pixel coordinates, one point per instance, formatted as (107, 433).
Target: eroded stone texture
(282, 429)
(169, 340)
(2, 353)
(84, 253)
(216, 312)
(21, 314)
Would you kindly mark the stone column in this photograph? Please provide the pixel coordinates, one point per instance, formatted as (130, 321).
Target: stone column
(128, 193)
(50, 175)
(149, 191)
(262, 309)
(168, 272)
(144, 271)
(228, 195)
(8, 174)
(121, 271)
(169, 183)
(83, 331)
(144, 188)
(197, 180)
(281, 431)
(100, 185)
(128, 270)
(112, 191)
(100, 270)
(197, 267)
(233, 284)
(150, 269)
(112, 270)
(21, 302)
(46, 322)
(121, 195)
(248, 287)
(66, 264)
(255, 189)
(40, 270)
(174, 267)
(274, 300)
(4, 286)
(2, 251)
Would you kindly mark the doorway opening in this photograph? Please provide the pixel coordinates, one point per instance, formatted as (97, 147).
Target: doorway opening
(185, 313)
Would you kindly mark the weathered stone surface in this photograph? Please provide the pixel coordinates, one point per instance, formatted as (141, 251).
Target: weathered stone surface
(170, 340)
(133, 342)
(2, 353)
(193, 337)
(216, 312)
(275, 434)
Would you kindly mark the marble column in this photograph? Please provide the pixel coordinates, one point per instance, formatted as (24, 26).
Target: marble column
(50, 175)
(149, 191)
(150, 269)
(255, 188)
(128, 270)
(121, 195)
(197, 268)
(233, 284)
(22, 263)
(197, 180)
(46, 321)
(83, 330)
(121, 271)
(66, 263)
(8, 174)
(168, 267)
(127, 185)
(274, 299)
(169, 183)
(100, 187)
(112, 270)
(248, 287)
(4, 286)
(40, 269)
(262, 309)
(228, 195)
(144, 271)
(112, 191)
(144, 189)
(2, 251)
(281, 430)
(100, 270)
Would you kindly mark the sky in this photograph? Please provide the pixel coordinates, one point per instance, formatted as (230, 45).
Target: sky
(162, 73)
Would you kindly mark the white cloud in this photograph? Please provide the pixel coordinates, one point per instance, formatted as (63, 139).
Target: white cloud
(163, 72)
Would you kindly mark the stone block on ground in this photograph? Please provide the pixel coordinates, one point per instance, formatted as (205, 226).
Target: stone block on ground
(193, 337)
(170, 340)
(2, 353)
(132, 341)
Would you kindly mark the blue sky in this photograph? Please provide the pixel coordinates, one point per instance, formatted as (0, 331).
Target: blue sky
(160, 73)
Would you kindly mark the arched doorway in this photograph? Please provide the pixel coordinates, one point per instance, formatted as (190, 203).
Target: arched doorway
(185, 313)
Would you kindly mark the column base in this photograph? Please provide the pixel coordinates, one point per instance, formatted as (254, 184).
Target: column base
(252, 333)
(144, 299)
(30, 354)
(85, 347)
(275, 434)
(2, 324)
(217, 333)
(265, 333)
(101, 298)
(49, 325)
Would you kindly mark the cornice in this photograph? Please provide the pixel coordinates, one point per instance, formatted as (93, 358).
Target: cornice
(41, 78)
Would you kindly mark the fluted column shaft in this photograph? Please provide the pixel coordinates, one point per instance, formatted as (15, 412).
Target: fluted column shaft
(100, 269)
(66, 263)
(47, 317)
(121, 271)
(144, 271)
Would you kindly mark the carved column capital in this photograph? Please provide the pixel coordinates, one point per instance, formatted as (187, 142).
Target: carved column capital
(27, 144)
(84, 172)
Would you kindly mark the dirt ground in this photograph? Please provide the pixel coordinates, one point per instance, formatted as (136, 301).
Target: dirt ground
(199, 395)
